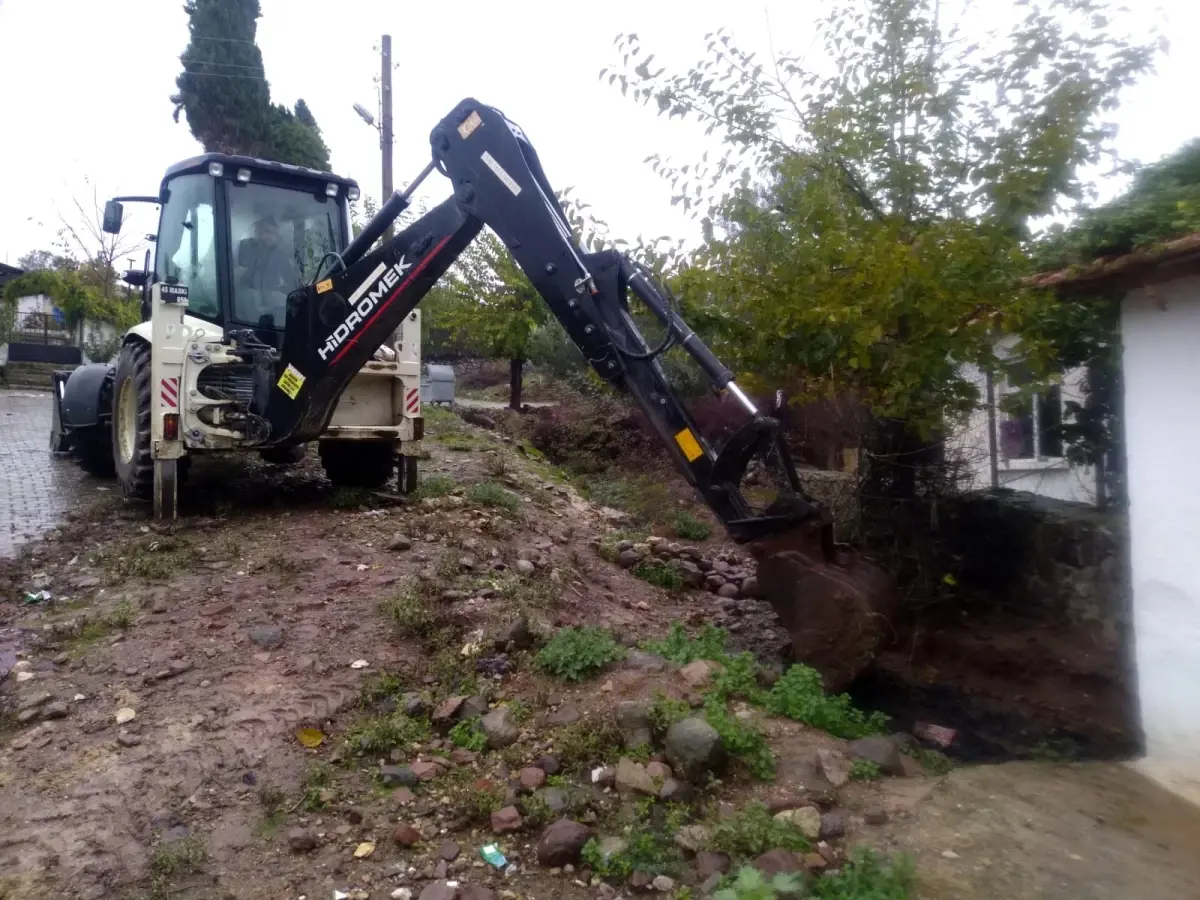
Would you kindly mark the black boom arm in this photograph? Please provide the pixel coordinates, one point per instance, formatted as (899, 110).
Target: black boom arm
(336, 325)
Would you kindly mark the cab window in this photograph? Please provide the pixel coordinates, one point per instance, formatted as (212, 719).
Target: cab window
(186, 251)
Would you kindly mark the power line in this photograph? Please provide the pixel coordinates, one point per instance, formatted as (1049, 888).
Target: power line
(205, 62)
(202, 37)
(227, 75)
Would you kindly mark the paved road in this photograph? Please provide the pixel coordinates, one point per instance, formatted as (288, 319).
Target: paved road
(36, 488)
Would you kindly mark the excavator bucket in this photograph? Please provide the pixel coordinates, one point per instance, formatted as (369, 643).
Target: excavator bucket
(836, 604)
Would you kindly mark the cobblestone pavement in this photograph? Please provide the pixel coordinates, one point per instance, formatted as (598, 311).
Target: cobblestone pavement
(36, 487)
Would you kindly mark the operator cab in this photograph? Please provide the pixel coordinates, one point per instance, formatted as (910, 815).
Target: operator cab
(242, 233)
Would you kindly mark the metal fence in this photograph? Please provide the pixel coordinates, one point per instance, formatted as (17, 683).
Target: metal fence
(35, 328)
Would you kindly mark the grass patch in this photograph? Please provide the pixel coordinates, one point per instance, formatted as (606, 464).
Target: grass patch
(646, 498)
(379, 735)
(649, 846)
(378, 687)
(659, 573)
(493, 494)
(689, 528)
(798, 695)
(433, 486)
(865, 770)
(867, 876)
(349, 497)
(608, 543)
(469, 735)
(171, 861)
(679, 647)
(95, 628)
(152, 560)
(587, 743)
(575, 653)
(318, 779)
(752, 831)
(478, 801)
(410, 614)
(932, 761)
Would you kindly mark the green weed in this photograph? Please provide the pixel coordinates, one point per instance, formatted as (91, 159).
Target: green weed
(183, 857)
(433, 486)
(646, 498)
(933, 761)
(659, 573)
(377, 688)
(378, 735)
(608, 543)
(742, 740)
(867, 876)
(690, 528)
(318, 778)
(494, 494)
(798, 695)
(575, 653)
(411, 615)
(587, 743)
(751, 884)
(752, 831)
(680, 648)
(152, 560)
(865, 770)
(468, 735)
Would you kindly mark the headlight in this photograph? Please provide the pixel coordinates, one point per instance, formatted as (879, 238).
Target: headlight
(243, 175)
(352, 192)
(215, 169)
(331, 190)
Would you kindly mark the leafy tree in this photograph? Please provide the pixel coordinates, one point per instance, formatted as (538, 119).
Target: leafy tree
(865, 230)
(224, 92)
(491, 307)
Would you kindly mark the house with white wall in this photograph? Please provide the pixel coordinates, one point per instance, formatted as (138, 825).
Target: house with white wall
(1160, 336)
(1012, 439)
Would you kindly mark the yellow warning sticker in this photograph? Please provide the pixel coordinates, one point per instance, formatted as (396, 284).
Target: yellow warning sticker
(291, 381)
(468, 125)
(689, 445)
(326, 285)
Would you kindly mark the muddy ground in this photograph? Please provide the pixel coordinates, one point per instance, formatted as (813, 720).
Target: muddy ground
(156, 710)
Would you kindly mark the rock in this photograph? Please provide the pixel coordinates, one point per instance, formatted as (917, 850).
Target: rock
(605, 776)
(448, 710)
(632, 778)
(815, 863)
(525, 566)
(633, 721)
(658, 770)
(467, 562)
(727, 590)
(709, 863)
(554, 798)
(611, 846)
(806, 818)
(834, 766)
(883, 751)
(750, 588)
(500, 727)
(624, 545)
(548, 764)
(714, 583)
(567, 714)
(909, 767)
(516, 635)
(125, 714)
(476, 892)
(406, 835)
(128, 740)
(426, 770)
(562, 843)
(462, 757)
(693, 837)
(449, 851)
(639, 880)
(663, 883)
(506, 820)
(403, 796)
(642, 661)
(301, 841)
(397, 776)
(473, 707)
(833, 825)
(875, 814)
(531, 778)
(692, 576)
(399, 542)
(778, 860)
(699, 674)
(401, 893)
(627, 559)
(675, 791)
(268, 637)
(439, 890)
(694, 749)
(413, 704)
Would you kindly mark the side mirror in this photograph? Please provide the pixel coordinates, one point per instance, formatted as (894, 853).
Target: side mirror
(114, 212)
(136, 277)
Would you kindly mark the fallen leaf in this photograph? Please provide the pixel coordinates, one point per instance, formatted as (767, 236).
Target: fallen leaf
(310, 737)
(365, 849)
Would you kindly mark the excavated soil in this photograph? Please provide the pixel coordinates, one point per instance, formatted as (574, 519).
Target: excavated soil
(259, 614)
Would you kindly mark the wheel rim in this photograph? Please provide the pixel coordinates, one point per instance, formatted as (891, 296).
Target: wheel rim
(126, 420)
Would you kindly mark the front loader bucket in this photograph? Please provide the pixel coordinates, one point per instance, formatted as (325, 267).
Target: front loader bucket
(836, 605)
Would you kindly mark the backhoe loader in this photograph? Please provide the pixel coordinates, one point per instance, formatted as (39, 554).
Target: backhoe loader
(246, 347)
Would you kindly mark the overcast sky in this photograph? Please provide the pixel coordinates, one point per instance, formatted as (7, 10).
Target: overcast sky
(84, 90)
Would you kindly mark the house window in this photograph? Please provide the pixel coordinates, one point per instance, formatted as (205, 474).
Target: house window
(1030, 425)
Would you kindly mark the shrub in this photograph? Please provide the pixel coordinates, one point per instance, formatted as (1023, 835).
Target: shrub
(798, 695)
(492, 493)
(658, 573)
(680, 648)
(752, 831)
(575, 653)
(690, 528)
(864, 770)
(469, 735)
(433, 486)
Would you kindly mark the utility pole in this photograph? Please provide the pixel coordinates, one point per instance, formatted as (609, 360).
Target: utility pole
(385, 120)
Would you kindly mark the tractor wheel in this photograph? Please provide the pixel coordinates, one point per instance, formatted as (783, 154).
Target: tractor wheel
(284, 456)
(94, 449)
(364, 464)
(131, 422)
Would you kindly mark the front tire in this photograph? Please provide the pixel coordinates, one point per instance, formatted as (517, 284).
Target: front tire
(284, 456)
(131, 441)
(362, 464)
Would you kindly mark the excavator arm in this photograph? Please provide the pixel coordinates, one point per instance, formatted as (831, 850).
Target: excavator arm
(336, 324)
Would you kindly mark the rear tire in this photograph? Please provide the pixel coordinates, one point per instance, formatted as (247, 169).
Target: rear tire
(131, 450)
(363, 464)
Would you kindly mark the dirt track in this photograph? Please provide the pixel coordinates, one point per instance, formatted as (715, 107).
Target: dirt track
(227, 634)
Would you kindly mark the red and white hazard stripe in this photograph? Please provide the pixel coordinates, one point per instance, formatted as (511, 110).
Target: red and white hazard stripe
(169, 393)
(412, 401)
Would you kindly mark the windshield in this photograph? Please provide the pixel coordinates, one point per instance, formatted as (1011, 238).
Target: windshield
(279, 238)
